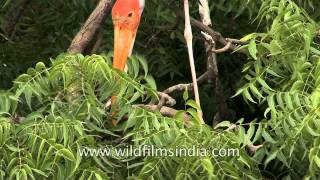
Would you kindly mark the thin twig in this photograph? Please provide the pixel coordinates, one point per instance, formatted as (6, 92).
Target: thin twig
(237, 41)
(166, 111)
(224, 49)
(216, 36)
(188, 86)
(253, 148)
(179, 87)
(165, 99)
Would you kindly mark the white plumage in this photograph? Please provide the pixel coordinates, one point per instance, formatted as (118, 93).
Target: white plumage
(141, 4)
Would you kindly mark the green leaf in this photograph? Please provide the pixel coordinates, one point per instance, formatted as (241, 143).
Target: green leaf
(144, 64)
(40, 66)
(249, 37)
(185, 95)
(66, 153)
(255, 91)
(253, 49)
(193, 104)
(223, 124)
(312, 132)
(247, 95)
(264, 84)
(251, 131)
(288, 101)
(98, 176)
(271, 157)
(207, 165)
(316, 159)
(267, 137)
(7, 2)
(28, 96)
(195, 115)
(151, 82)
(40, 172)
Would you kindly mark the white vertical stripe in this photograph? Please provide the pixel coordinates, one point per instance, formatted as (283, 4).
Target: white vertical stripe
(141, 4)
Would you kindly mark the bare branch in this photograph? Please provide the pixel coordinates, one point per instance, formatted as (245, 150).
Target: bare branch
(212, 63)
(237, 41)
(253, 148)
(188, 86)
(216, 36)
(90, 27)
(224, 49)
(166, 111)
(165, 99)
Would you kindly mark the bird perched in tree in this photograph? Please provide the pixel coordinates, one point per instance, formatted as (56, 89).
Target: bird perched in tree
(126, 15)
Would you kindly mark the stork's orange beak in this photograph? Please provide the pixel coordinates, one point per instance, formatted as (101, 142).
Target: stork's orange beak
(123, 42)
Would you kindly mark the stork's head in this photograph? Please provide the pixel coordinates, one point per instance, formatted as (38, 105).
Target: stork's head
(126, 16)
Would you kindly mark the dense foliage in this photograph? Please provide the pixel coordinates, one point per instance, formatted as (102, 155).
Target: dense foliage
(57, 107)
(284, 75)
(64, 110)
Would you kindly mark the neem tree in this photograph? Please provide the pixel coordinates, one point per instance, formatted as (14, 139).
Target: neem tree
(55, 109)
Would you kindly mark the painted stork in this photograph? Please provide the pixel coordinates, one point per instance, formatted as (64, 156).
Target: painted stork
(126, 15)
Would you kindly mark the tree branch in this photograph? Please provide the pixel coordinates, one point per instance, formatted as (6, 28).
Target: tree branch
(216, 36)
(166, 111)
(224, 49)
(165, 99)
(188, 86)
(90, 27)
(212, 63)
